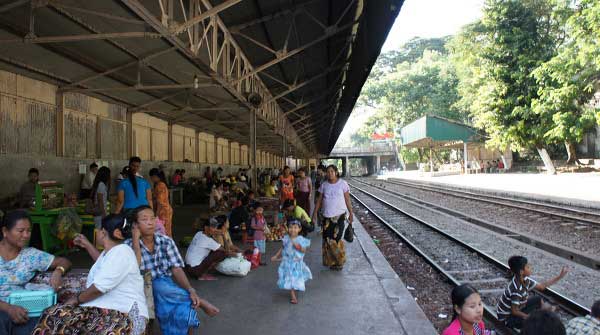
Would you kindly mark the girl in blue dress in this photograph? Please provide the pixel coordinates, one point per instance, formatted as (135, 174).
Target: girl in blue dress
(293, 272)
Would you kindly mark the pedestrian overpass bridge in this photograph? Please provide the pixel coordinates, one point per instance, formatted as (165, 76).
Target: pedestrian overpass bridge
(373, 155)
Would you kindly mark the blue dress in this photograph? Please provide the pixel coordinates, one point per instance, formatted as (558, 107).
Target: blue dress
(293, 272)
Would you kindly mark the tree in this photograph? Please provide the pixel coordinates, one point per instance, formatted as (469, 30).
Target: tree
(569, 80)
(410, 52)
(497, 57)
(427, 86)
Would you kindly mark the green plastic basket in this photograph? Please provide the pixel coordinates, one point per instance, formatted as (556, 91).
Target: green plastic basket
(35, 302)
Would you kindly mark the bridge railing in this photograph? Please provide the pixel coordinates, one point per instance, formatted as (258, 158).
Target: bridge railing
(380, 147)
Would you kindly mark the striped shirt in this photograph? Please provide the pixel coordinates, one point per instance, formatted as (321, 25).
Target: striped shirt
(515, 294)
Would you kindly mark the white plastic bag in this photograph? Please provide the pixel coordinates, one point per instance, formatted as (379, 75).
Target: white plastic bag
(234, 266)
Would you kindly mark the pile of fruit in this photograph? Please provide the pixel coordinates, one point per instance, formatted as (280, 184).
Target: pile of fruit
(276, 232)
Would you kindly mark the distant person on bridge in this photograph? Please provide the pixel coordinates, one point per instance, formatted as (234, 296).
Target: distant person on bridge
(334, 198)
(515, 304)
(286, 181)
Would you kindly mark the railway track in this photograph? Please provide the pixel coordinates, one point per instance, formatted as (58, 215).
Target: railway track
(454, 259)
(558, 211)
(566, 236)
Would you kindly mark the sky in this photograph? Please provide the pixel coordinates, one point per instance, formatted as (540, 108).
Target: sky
(420, 18)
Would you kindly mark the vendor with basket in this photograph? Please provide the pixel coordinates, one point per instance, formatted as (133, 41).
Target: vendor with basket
(18, 265)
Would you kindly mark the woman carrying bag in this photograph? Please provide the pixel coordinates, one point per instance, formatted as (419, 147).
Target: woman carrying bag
(334, 199)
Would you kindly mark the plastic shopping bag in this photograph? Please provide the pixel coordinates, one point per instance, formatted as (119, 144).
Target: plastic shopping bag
(234, 266)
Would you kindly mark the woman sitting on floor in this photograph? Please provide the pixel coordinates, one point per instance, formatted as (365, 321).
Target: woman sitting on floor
(114, 301)
(18, 265)
(174, 298)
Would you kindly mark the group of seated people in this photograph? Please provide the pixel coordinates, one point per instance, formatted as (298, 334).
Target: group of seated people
(138, 276)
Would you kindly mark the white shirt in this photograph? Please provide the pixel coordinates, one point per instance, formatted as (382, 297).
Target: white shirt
(200, 247)
(117, 275)
(88, 181)
(334, 202)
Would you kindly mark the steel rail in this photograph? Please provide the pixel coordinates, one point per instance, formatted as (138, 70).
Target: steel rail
(505, 201)
(570, 254)
(569, 305)
(489, 312)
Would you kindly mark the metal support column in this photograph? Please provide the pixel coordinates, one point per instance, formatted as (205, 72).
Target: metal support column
(252, 150)
(60, 125)
(170, 142)
(285, 153)
(466, 157)
(345, 167)
(129, 134)
(431, 161)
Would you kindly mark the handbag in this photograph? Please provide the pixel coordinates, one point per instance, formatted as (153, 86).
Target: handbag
(349, 234)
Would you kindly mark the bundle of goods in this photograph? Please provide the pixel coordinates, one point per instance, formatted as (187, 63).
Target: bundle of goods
(68, 224)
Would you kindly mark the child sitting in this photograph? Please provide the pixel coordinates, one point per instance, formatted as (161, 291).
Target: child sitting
(515, 304)
(258, 225)
(270, 191)
(293, 272)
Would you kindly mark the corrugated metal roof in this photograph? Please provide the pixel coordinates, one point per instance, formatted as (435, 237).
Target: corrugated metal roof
(435, 131)
(310, 58)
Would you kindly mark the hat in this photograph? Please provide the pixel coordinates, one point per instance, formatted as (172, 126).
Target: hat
(242, 178)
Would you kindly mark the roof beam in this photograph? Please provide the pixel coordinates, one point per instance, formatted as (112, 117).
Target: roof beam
(13, 4)
(329, 32)
(60, 4)
(201, 17)
(141, 107)
(306, 82)
(62, 11)
(294, 10)
(81, 37)
(141, 88)
(121, 67)
(313, 100)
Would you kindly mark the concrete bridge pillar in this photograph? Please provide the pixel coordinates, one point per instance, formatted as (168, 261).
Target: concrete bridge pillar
(345, 167)
(378, 164)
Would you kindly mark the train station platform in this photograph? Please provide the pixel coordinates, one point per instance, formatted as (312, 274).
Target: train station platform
(367, 297)
(575, 189)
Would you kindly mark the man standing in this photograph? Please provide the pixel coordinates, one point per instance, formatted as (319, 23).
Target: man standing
(88, 181)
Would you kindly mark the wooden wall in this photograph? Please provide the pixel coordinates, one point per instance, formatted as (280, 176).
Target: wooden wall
(35, 118)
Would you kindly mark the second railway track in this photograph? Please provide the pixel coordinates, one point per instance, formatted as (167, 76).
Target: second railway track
(567, 238)
(455, 259)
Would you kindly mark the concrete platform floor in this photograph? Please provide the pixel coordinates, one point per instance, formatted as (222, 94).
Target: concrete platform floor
(579, 189)
(367, 297)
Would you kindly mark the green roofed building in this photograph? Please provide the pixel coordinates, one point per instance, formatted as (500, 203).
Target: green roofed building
(436, 132)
